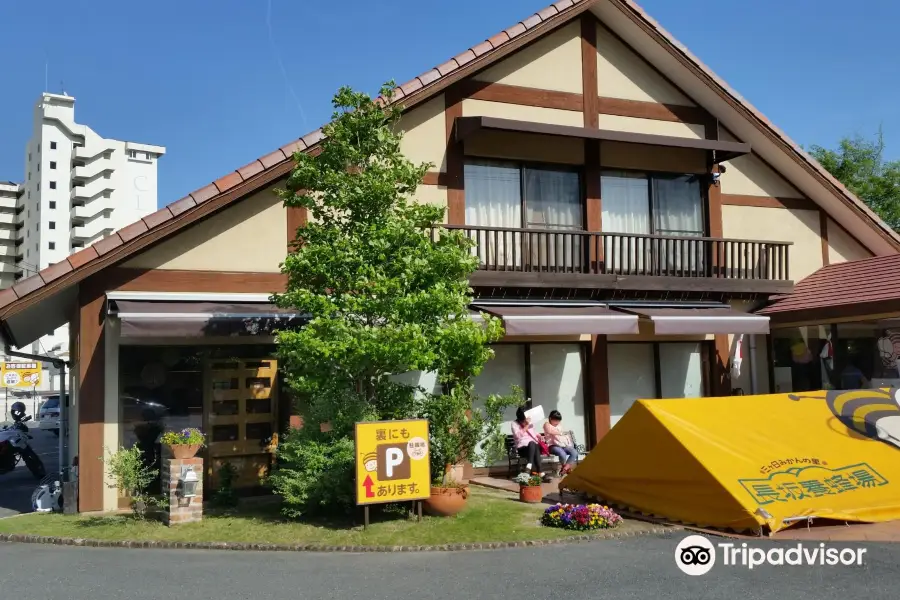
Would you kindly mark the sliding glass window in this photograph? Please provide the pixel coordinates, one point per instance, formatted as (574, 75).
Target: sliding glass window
(522, 214)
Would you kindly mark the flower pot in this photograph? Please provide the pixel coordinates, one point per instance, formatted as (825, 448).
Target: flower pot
(182, 451)
(531, 494)
(446, 502)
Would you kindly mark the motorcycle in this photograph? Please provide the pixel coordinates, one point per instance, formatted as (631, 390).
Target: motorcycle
(14, 446)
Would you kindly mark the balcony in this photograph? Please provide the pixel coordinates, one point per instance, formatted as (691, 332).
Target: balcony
(92, 231)
(92, 169)
(92, 189)
(92, 208)
(554, 258)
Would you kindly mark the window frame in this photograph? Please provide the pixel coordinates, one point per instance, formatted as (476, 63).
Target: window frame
(522, 165)
(707, 351)
(650, 175)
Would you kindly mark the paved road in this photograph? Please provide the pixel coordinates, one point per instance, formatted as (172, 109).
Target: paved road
(16, 487)
(636, 568)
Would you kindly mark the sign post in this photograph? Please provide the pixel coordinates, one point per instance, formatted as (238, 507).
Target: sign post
(392, 463)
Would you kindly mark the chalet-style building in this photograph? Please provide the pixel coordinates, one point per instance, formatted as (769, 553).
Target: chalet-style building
(631, 212)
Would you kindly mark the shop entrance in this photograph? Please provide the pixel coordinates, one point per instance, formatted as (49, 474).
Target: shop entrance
(240, 401)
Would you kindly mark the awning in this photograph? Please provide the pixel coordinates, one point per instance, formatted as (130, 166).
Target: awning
(561, 320)
(145, 318)
(701, 321)
(467, 126)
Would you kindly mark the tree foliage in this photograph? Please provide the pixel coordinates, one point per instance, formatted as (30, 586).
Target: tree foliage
(859, 164)
(387, 290)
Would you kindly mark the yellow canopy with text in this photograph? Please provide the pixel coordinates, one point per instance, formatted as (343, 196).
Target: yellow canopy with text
(752, 462)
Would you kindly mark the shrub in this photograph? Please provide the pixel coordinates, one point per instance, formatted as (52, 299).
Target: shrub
(131, 475)
(314, 473)
(224, 495)
(527, 480)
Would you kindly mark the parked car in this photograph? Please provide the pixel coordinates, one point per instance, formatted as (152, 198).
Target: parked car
(137, 410)
(48, 415)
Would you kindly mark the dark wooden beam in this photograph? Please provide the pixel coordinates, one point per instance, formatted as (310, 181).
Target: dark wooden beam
(768, 202)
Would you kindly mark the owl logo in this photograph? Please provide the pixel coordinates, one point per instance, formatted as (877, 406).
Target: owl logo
(872, 413)
(889, 348)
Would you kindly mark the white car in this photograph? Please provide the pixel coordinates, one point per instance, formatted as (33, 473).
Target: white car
(48, 415)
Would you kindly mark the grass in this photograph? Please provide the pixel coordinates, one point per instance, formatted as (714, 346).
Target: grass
(491, 516)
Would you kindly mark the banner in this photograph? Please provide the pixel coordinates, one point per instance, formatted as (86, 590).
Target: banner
(21, 374)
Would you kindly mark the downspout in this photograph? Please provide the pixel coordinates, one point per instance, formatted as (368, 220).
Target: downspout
(754, 386)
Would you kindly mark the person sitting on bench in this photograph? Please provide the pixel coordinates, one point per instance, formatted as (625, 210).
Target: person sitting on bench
(526, 440)
(560, 444)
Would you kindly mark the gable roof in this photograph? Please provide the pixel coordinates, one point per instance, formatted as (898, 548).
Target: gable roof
(269, 168)
(857, 288)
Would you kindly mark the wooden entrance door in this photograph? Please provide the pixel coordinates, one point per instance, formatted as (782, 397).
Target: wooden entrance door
(240, 405)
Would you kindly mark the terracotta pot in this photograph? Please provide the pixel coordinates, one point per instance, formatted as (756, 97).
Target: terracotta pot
(182, 451)
(446, 502)
(531, 493)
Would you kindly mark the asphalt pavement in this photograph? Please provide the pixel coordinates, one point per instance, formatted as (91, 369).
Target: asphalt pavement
(634, 568)
(17, 486)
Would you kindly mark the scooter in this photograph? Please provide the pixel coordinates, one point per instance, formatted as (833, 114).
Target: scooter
(14, 446)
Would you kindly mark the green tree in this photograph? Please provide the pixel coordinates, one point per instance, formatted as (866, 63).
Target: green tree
(859, 164)
(387, 290)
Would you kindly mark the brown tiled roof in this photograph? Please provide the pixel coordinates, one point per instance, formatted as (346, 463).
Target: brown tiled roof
(856, 288)
(269, 168)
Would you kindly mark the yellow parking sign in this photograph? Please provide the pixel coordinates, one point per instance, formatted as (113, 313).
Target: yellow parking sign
(20, 374)
(392, 461)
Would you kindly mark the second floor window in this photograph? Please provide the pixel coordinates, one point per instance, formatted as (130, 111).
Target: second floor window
(511, 196)
(659, 204)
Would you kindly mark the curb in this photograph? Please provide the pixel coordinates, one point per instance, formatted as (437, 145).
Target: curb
(241, 546)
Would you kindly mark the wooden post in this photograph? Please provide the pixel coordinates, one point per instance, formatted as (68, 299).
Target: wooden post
(421, 502)
(365, 517)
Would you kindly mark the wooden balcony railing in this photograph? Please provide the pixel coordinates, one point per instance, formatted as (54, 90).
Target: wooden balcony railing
(569, 251)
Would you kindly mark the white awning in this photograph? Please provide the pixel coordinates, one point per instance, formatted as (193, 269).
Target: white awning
(702, 321)
(562, 320)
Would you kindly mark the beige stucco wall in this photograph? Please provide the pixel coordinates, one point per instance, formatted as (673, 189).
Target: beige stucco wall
(623, 74)
(249, 236)
(520, 146)
(651, 126)
(750, 176)
(779, 225)
(502, 110)
(551, 63)
(425, 134)
(842, 247)
(615, 155)
(432, 194)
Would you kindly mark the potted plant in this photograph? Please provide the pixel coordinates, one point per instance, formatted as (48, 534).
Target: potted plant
(183, 444)
(530, 489)
(460, 432)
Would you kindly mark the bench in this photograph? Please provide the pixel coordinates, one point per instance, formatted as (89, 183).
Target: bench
(517, 463)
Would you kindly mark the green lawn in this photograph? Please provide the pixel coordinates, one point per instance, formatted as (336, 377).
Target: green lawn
(491, 516)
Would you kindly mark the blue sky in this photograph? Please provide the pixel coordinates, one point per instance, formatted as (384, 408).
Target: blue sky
(220, 83)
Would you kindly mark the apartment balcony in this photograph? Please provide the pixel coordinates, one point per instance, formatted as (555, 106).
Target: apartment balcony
(92, 169)
(96, 148)
(8, 234)
(8, 218)
(556, 258)
(92, 208)
(8, 202)
(91, 231)
(92, 189)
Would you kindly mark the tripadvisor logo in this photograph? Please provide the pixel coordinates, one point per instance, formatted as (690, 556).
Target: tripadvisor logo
(696, 555)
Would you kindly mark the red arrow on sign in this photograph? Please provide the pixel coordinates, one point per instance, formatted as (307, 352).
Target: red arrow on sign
(368, 485)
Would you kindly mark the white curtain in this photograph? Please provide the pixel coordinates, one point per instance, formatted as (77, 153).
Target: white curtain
(494, 199)
(680, 370)
(631, 377)
(553, 202)
(626, 209)
(678, 211)
(560, 385)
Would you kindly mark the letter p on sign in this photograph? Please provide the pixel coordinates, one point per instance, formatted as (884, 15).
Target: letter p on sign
(392, 462)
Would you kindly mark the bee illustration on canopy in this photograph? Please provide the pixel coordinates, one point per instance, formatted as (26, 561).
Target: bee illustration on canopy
(873, 413)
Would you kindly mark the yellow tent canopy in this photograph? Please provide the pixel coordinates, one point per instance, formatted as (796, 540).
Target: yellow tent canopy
(752, 462)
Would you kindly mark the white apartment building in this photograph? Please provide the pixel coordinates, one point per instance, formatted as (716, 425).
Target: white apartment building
(9, 200)
(79, 187)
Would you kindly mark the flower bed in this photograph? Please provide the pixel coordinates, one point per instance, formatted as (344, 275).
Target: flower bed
(580, 517)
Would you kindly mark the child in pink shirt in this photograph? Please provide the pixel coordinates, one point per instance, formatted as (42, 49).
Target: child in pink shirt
(526, 440)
